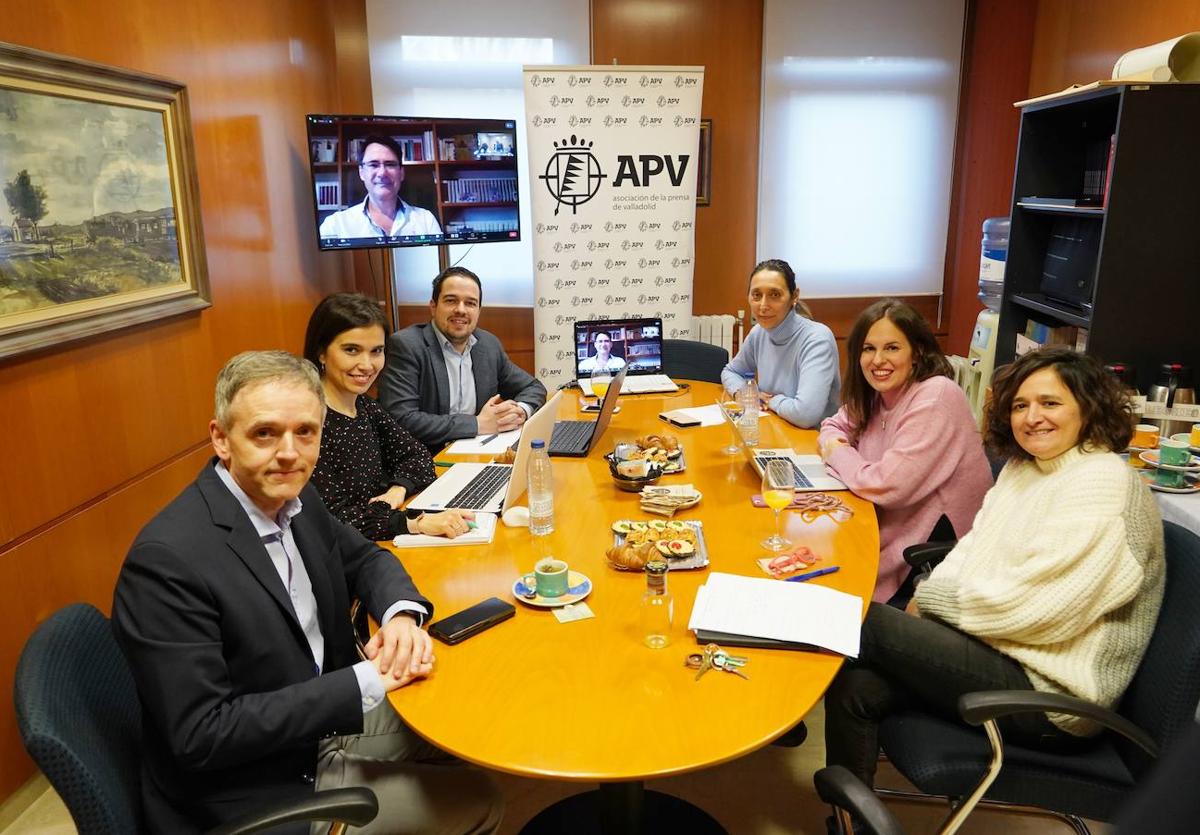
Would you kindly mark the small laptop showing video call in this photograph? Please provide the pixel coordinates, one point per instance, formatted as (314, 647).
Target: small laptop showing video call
(635, 345)
(576, 438)
(808, 470)
(492, 488)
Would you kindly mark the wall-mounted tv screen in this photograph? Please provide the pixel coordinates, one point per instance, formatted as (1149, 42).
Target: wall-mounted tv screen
(402, 181)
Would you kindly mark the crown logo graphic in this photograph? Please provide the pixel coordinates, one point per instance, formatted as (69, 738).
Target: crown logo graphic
(572, 173)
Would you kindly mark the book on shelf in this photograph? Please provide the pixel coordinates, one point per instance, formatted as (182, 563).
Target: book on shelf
(1085, 202)
(329, 192)
(481, 190)
(1039, 335)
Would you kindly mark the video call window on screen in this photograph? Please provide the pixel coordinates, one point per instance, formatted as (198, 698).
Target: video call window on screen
(633, 342)
(455, 182)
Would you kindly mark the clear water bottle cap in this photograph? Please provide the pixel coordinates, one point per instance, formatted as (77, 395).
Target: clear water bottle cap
(538, 444)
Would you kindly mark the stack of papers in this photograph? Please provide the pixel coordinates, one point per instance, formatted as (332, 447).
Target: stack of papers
(483, 533)
(795, 612)
(484, 444)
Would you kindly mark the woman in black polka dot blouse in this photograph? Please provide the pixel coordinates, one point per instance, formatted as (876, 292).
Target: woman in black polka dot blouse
(368, 464)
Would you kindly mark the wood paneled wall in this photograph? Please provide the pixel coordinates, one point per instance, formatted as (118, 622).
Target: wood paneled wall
(724, 37)
(999, 43)
(98, 435)
(1078, 41)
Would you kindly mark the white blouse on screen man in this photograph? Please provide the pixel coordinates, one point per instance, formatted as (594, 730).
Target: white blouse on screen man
(354, 222)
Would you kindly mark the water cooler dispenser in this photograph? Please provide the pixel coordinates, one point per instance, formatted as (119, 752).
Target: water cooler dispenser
(982, 354)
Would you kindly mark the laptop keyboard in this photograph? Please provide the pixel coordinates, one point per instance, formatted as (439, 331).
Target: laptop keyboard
(801, 478)
(481, 488)
(571, 435)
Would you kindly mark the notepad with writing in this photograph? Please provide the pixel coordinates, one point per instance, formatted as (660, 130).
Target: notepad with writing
(481, 535)
(800, 613)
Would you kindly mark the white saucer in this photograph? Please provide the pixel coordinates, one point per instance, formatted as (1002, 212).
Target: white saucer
(1150, 456)
(578, 587)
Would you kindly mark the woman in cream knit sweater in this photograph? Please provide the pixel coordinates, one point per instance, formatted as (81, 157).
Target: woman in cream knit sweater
(1055, 588)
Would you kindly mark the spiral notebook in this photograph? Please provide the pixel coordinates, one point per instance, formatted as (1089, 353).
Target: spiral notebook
(483, 534)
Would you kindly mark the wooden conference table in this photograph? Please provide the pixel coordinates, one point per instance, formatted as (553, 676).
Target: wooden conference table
(586, 701)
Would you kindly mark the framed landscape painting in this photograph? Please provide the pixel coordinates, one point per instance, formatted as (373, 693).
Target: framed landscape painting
(99, 216)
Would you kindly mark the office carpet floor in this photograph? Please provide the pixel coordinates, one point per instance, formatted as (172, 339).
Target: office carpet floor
(766, 793)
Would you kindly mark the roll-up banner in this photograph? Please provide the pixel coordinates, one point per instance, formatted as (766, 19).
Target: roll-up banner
(613, 153)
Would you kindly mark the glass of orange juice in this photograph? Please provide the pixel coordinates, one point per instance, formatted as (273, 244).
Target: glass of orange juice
(600, 383)
(778, 490)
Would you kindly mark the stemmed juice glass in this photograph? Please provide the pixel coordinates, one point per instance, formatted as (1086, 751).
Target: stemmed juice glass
(778, 490)
(600, 383)
(733, 407)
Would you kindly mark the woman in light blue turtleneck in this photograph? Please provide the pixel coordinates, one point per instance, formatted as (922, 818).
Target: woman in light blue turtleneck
(794, 358)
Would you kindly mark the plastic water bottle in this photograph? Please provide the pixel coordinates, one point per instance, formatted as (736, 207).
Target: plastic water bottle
(992, 261)
(541, 490)
(748, 422)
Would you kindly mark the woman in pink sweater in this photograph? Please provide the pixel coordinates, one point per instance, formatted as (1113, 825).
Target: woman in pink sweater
(904, 437)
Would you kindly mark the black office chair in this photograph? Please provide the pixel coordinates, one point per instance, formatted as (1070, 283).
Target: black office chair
(945, 758)
(685, 359)
(80, 719)
(1167, 797)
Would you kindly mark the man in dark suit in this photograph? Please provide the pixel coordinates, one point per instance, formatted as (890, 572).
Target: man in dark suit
(232, 608)
(448, 379)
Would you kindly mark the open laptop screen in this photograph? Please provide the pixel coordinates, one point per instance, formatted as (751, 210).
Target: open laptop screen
(613, 344)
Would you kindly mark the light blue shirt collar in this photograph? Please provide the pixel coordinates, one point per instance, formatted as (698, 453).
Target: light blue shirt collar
(265, 526)
(445, 343)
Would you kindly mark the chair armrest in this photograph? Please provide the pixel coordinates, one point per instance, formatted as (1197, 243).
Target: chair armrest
(838, 787)
(355, 806)
(927, 554)
(977, 708)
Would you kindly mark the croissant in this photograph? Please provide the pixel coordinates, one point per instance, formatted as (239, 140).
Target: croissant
(629, 557)
(668, 442)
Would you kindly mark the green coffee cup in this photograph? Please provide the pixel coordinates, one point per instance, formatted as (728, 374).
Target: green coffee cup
(1174, 452)
(548, 578)
(1170, 478)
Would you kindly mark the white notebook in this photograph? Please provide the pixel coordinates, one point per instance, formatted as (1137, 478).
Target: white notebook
(764, 608)
(481, 535)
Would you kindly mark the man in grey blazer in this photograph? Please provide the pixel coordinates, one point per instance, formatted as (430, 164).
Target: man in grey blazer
(448, 379)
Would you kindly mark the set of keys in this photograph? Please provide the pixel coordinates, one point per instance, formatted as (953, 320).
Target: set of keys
(714, 657)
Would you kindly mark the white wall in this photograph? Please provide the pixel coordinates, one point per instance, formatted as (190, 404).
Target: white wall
(464, 59)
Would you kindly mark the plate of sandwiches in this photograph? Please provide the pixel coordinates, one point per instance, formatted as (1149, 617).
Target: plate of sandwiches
(636, 542)
(661, 450)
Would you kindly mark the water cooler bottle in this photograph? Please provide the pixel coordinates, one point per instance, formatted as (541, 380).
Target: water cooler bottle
(991, 286)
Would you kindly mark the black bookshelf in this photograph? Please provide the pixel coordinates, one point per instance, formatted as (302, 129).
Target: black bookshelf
(1147, 252)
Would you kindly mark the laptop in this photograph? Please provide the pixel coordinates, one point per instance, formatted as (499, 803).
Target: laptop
(491, 488)
(633, 344)
(809, 470)
(575, 438)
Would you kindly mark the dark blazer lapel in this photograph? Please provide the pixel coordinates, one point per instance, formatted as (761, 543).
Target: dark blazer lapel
(312, 551)
(440, 374)
(483, 369)
(244, 541)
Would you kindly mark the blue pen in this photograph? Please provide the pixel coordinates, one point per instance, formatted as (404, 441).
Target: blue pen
(809, 575)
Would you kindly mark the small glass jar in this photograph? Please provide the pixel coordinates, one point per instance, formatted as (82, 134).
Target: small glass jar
(658, 607)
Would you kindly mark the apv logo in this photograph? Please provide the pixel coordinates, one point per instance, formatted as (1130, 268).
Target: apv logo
(573, 174)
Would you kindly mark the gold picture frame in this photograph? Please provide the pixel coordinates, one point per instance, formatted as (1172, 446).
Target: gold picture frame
(99, 209)
(704, 169)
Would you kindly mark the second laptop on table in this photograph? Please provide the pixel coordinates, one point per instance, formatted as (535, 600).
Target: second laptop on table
(576, 438)
(635, 345)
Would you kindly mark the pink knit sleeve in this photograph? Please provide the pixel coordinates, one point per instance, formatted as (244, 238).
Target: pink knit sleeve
(836, 425)
(929, 441)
